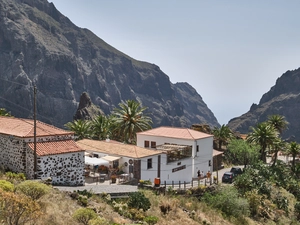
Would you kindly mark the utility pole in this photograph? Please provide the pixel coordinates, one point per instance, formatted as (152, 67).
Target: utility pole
(34, 132)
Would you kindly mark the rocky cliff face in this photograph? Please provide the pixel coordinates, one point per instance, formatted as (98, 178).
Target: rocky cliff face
(283, 99)
(39, 46)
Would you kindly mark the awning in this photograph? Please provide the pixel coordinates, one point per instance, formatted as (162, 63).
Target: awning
(110, 158)
(215, 152)
(95, 161)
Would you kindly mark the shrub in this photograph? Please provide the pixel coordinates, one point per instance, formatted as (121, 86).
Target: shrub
(139, 201)
(98, 221)
(228, 201)
(165, 208)
(15, 176)
(82, 200)
(18, 209)
(151, 220)
(84, 215)
(297, 210)
(6, 186)
(33, 189)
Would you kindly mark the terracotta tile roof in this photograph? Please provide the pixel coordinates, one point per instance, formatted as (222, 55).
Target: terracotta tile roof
(175, 132)
(116, 148)
(24, 128)
(55, 147)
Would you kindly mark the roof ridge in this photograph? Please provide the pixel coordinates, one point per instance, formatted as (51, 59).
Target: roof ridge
(191, 133)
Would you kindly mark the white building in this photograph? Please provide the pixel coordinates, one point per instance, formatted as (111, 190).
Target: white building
(186, 152)
(132, 159)
(168, 153)
(58, 156)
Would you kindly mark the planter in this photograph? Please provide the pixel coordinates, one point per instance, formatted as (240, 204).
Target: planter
(113, 180)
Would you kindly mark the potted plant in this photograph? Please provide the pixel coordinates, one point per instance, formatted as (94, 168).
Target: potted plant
(113, 178)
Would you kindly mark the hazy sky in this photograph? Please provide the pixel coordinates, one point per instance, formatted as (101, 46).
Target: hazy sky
(231, 52)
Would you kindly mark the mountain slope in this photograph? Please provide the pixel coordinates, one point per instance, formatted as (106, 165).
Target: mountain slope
(39, 46)
(283, 99)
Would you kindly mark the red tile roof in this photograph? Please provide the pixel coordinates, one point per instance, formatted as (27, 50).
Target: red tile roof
(175, 132)
(116, 148)
(24, 128)
(55, 147)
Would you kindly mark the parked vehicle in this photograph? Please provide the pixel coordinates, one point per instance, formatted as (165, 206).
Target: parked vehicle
(228, 177)
(236, 171)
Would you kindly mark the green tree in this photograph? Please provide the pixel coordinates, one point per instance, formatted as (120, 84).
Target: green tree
(81, 128)
(278, 145)
(3, 112)
(222, 135)
(263, 135)
(84, 215)
(129, 119)
(242, 152)
(293, 149)
(101, 127)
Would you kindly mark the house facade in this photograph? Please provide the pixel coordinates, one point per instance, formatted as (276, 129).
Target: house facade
(131, 159)
(57, 154)
(186, 152)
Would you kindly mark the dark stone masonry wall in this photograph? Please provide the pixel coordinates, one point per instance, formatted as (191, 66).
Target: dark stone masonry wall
(64, 169)
(12, 154)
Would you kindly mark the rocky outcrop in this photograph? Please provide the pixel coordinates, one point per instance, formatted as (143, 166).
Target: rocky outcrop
(39, 46)
(86, 109)
(283, 99)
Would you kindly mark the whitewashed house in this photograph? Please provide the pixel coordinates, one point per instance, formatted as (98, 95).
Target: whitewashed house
(168, 153)
(58, 156)
(186, 152)
(133, 160)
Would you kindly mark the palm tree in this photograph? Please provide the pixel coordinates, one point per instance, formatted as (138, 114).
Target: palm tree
(100, 127)
(279, 122)
(129, 119)
(294, 150)
(81, 128)
(278, 145)
(263, 135)
(222, 135)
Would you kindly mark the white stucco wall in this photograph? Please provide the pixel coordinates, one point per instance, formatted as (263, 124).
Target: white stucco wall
(198, 161)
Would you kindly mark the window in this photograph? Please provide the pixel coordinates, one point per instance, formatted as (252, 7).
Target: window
(197, 148)
(153, 144)
(146, 144)
(149, 163)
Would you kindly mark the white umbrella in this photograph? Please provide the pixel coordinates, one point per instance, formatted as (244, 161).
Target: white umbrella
(95, 161)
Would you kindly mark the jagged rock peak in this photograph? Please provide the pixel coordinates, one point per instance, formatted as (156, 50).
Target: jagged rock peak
(85, 101)
(86, 109)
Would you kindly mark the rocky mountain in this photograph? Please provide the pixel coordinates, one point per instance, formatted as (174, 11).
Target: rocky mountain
(283, 99)
(40, 46)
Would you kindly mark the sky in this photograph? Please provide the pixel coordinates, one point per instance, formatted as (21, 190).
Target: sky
(231, 52)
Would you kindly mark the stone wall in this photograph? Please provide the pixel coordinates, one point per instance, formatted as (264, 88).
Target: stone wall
(64, 169)
(12, 153)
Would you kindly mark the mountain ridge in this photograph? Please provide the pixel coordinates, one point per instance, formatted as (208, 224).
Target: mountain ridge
(40, 46)
(283, 99)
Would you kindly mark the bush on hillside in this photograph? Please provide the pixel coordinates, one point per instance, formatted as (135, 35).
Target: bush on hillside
(6, 186)
(33, 189)
(139, 201)
(84, 215)
(227, 200)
